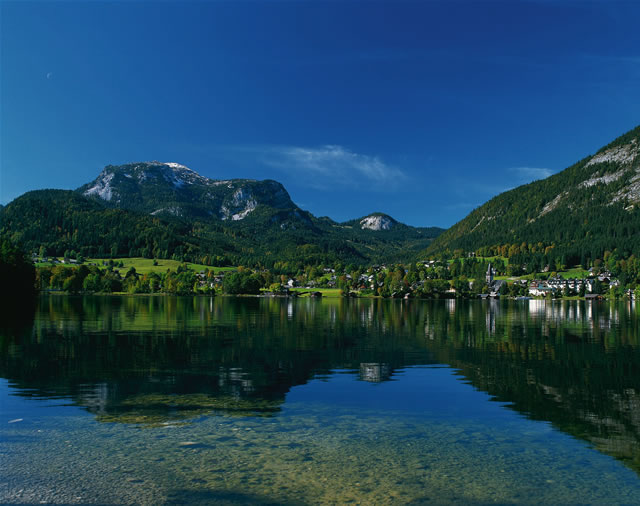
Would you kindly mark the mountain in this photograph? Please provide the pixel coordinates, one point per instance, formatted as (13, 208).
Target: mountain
(63, 220)
(172, 189)
(583, 211)
(167, 210)
(377, 221)
(381, 222)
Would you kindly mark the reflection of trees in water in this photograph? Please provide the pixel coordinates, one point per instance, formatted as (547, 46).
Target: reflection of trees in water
(137, 358)
(575, 364)
(157, 360)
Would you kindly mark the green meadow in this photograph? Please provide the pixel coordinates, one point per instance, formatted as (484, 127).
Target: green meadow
(326, 292)
(143, 265)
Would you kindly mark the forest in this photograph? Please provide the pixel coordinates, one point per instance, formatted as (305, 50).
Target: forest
(60, 221)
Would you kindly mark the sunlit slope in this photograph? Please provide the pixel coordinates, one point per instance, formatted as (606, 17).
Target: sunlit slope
(589, 207)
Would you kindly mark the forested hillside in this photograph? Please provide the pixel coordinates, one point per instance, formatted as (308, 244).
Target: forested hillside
(575, 215)
(164, 210)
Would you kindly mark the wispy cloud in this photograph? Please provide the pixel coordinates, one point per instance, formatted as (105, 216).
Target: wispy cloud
(528, 174)
(329, 165)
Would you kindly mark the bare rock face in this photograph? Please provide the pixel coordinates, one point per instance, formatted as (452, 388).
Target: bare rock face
(377, 222)
(168, 188)
(624, 160)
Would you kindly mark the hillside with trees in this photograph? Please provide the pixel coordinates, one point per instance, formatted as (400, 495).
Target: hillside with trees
(160, 210)
(570, 218)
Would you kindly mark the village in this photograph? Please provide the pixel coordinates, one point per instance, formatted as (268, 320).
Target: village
(425, 279)
(375, 282)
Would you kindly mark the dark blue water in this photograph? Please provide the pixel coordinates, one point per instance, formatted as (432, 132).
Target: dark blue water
(244, 400)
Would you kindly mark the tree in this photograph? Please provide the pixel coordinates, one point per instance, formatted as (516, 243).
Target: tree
(597, 287)
(73, 284)
(153, 280)
(92, 283)
(243, 282)
(17, 273)
(461, 286)
(276, 288)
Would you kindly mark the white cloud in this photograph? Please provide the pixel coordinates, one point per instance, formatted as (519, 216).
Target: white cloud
(329, 165)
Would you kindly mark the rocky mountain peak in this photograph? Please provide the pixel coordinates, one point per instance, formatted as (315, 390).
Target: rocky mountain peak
(377, 221)
(170, 188)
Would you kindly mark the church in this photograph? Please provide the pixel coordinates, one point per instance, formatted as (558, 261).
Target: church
(494, 285)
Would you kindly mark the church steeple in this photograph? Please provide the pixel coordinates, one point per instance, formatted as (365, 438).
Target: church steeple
(489, 275)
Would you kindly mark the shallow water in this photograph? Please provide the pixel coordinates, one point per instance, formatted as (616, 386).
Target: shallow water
(152, 400)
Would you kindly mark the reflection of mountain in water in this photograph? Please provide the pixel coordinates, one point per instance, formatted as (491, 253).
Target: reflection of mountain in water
(158, 360)
(161, 359)
(375, 372)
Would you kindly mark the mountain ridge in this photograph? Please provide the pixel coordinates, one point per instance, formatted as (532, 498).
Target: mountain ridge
(169, 210)
(588, 208)
(171, 188)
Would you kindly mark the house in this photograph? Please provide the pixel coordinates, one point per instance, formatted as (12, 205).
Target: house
(541, 289)
(496, 286)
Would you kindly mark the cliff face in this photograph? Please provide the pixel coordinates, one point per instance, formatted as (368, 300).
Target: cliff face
(159, 188)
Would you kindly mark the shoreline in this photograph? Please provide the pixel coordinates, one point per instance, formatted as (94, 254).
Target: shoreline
(60, 293)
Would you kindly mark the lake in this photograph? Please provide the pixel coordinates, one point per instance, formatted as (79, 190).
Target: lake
(187, 400)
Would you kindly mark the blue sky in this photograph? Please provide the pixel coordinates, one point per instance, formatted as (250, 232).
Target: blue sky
(422, 110)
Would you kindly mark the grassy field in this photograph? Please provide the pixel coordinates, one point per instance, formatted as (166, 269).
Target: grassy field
(483, 259)
(326, 292)
(48, 264)
(144, 265)
(578, 273)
